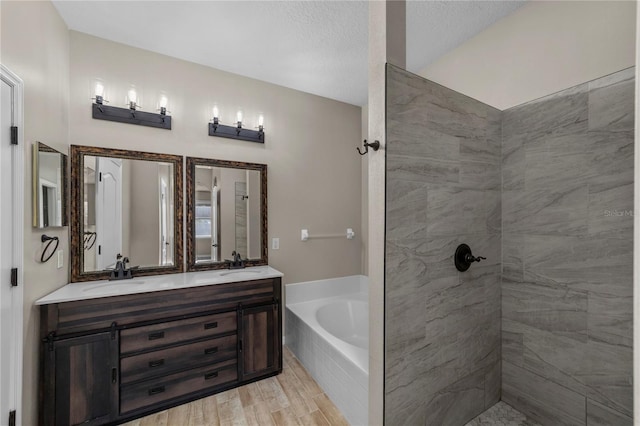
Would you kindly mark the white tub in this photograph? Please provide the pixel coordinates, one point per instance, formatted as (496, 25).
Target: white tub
(327, 328)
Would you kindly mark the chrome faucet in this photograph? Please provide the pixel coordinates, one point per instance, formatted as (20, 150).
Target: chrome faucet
(120, 272)
(237, 262)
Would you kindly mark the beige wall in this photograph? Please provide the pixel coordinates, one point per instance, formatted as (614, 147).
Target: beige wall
(35, 45)
(313, 170)
(542, 48)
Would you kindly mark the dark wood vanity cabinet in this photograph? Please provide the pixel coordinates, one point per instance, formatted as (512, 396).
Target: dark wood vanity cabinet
(113, 359)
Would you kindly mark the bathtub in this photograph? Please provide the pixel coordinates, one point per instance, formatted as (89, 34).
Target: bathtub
(327, 328)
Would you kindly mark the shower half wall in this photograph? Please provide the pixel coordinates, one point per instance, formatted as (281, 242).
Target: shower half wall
(442, 327)
(544, 191)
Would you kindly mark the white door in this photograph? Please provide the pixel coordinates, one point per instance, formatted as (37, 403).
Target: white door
(10, 252)
(164, 231)
(108, 211)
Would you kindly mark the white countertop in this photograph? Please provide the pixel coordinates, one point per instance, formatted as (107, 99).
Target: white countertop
(96, 289)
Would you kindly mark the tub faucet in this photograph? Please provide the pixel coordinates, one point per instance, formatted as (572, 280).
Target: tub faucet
(121, 272)
(237, 262)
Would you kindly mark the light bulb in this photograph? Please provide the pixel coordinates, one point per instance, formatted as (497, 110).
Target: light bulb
(163, 101)
(132, 95)
(239, 117)
(261, 120)
(215, 112)
(99, 89)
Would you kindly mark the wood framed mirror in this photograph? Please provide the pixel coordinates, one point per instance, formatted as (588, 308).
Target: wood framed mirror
(129, 203)
(49, 187)
(226, 213)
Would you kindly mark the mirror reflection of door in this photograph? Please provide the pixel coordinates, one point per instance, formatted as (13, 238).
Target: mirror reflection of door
(108, 211)
(166, 215)
(207, 215)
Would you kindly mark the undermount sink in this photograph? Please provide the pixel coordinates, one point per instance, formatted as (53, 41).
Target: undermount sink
(240, 272)
(114, 285)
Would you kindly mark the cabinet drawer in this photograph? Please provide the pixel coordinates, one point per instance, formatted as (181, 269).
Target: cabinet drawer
(167, 333)
(165, 361)
(155, 391)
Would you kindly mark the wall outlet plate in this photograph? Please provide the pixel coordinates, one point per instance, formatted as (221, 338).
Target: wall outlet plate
(275, 243)
(60, 259)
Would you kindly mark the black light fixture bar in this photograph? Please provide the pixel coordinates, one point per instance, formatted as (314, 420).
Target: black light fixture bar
(235, 132)
(131, 116)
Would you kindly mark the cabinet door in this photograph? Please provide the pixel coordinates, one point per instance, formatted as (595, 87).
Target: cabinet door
(260, 347)
(85, 379)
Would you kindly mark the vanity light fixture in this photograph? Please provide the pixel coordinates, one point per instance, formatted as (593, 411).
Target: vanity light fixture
(131, 114)
(237, 131)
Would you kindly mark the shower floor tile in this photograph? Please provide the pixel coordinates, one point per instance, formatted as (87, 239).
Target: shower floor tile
(502, 414)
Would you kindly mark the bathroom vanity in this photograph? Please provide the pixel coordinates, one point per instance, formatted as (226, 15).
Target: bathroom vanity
(119, 350)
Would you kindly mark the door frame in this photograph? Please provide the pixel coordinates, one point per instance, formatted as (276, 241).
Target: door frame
(18, 235)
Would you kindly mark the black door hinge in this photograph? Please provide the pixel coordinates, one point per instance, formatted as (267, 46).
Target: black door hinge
(100, 177)
(14, 277)
(14, 135)
(12, 418)
(99, 249)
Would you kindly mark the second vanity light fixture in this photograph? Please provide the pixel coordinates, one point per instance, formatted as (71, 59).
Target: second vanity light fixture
(131, 114)
(236, 131)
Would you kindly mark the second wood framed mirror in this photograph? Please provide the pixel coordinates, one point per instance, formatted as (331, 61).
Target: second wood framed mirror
(226, 213)
(126, 203)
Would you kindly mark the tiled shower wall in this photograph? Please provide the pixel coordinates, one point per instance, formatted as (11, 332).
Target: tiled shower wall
(442, 327)
(567, 254)
(554, 179)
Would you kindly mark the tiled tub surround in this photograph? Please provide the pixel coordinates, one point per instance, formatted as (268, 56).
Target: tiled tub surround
(567, 254)
(339, 365)
(442, 327)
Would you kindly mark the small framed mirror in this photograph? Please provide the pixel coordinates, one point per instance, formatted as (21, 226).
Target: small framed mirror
(226, 213)
(49, 192)
(126, 203)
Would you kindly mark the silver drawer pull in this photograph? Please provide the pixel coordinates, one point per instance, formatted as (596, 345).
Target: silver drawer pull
(211, 325)
(211, 375)
(156, 390)
(156, 363)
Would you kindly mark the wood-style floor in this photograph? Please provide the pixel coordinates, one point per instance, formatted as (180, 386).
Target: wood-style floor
(291, 398)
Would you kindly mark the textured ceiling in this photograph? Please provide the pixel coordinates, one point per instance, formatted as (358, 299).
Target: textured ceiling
(318, 47)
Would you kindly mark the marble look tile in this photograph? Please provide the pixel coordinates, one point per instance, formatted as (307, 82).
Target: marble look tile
(512, 343)
(610, 376)
(480, 175)
(561, 113)
(492, 385)
(445, 407)
(422, 170)
(513, 165)
(513, 257)
(551, 165)
(413, 140)
(453, 211)
(541, 399)
(612, 103)
(546, 212)
(556, 358)
(413, 99)
(610, 160)
(610, 319)
(611, 212)
(600, 415)
(601, 265)
(558, 310)
(406, 209)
